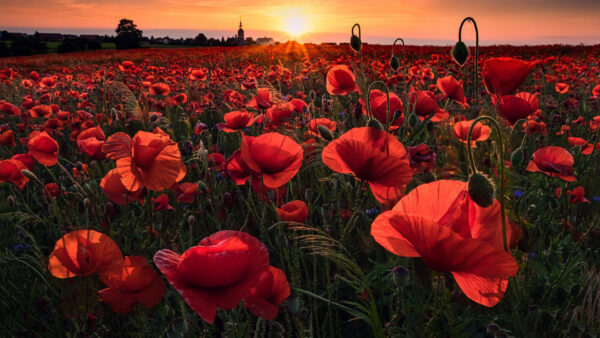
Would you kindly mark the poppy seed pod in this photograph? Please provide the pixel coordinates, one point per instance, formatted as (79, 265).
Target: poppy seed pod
(460, 53)
(516, 158)
(355, 43)
(397, 115)
(481, 189)
(10, 201)
(191, 220)
(325, 132)
(394, 63)
(413, 120)
(373, 123)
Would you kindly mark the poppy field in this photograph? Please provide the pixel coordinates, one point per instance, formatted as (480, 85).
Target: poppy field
(301, 190)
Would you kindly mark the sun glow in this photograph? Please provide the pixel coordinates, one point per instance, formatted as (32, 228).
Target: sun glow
(295, 25)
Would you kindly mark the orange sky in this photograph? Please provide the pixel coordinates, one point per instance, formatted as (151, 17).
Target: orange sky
(509, 21)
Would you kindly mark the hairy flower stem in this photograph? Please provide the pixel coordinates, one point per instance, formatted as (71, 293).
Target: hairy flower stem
(476, 94)
(387, 97)
(500, 167)
(403, 63)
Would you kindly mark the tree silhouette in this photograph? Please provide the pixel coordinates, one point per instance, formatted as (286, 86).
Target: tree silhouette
(128, 36)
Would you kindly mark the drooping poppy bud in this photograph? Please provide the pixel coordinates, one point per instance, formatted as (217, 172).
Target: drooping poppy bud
(373, 123)
(481, 189)
(412, 120)
(460, 53)
(325, 132)
(394, 63)
(516, 158)
(355, 43)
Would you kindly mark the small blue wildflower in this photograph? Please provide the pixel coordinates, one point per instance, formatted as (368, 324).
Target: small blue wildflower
(219, 176)
(20, 247)
(372, 212)
(518, 193)
(596, 199)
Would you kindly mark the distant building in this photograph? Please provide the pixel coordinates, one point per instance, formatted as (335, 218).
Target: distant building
(265, 41)
(50, 36)
(12, 35)
(240, 38)
(91, 37)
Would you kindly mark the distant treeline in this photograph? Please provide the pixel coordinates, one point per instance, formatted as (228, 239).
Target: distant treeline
(12, 44)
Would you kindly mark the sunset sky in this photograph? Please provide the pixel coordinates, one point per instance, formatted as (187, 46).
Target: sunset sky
(417, 22)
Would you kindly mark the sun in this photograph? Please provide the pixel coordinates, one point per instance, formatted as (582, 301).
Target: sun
(295, 25)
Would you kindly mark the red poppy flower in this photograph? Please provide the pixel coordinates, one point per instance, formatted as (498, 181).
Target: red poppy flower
(161, 203)
(553, 161)
(135, 282)
(371, 155)
(90, 142)
(48, 82)
(7, 138)
(150, 160)
(596, 91)
(341, 81)
(262, 99)
(561, 87)
(577, 195)
(40, 111)
(11, 171)
(481, 132)
(51, 190)
(294, 211)
(27, 160)
(426, 104)
(236, 169)
(504, 75)
(378, 103)
(452, 89)
(236, 120)
(249, 83)
(314, 124)
(421, 156)
(186, 192)
(280, 112)
(84, 252)
(159, 89)
(198, 74)
(115, 191)
(271, 289)
(514, 108)
(219, 271)
(299, 106)
(440, 223)
(275, 157)
(43, 148)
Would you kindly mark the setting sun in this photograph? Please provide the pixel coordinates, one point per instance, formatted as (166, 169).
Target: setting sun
(295, 25)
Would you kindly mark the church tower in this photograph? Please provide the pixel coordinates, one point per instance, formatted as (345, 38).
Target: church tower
(241, 32)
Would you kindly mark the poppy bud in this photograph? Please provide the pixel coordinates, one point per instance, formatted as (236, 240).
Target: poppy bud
(303, 314)
(308, 194)
(325, 132)
(413, 120)
(373, 123)
(355, 43)
(30, 175)
(481, 189)
(86, 203)
(153, 117)
(394, 63)
(10, 201)
(111, 210)
(293, 305)
(191, 220)
(397, 115)
(516, 158)
(460, 53)
(202, 187)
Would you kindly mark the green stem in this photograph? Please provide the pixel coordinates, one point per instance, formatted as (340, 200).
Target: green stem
(476, 51)
(403, 62)
(387, 96)
(500, 167)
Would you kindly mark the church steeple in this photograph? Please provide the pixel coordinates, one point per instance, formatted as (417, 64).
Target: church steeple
(240, 34)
